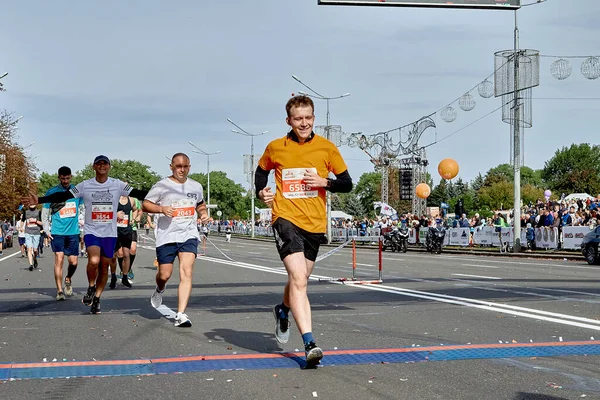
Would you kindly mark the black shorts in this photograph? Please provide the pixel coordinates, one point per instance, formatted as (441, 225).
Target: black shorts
(291, 239)
(134, 236)
(123, 241)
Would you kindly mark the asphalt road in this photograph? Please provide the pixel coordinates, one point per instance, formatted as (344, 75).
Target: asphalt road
(446, 326)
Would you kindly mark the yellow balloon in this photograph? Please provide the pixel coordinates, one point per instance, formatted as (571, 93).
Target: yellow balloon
(448, 168)
(423, 190)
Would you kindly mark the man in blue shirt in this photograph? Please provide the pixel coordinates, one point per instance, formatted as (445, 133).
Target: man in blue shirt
(64, 234)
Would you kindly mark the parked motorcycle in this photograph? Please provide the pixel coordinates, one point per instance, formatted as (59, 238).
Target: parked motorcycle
(402, 238)
(390, 240)
(435, 238)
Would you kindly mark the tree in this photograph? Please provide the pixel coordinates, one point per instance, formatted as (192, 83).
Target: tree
(531, 193)
(230, 197)
(133, 172)
(354, 207)
(17, 171)
(496, 196)
(368, 190)
(46, 181)
(531, 176)
(477, 182)
(503, 172)
(439, 194)
(573, 170)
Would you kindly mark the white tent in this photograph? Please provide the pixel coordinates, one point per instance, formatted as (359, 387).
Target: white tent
(578, 196)
(340, 214)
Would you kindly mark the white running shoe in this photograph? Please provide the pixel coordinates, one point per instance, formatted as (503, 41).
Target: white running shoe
(182, 320)
(156, 299)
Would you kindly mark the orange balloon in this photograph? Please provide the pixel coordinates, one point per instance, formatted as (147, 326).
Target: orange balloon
(423, 190)
(448, 168)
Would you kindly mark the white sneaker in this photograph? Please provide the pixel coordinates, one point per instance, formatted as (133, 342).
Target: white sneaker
(182, 320)
(156, 299)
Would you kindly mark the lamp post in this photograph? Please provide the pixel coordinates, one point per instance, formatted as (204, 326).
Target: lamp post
(252, 135)
(198, 150)
(517, 140)
(327, 130)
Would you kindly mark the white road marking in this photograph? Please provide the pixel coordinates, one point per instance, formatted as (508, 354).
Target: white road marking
(478, 266)
(2, 258)
(362, 265)
(166, 311)
(477, 276)
(462, 301)
(253, 252)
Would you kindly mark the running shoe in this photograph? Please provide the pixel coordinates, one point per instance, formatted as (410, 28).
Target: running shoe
(68, 288)
(113, 281)
(89, 296)
(182, 320)
(125, 281)
(282, 331)
(95, 309)
(314, 355)
(60, 296)
(156, 299)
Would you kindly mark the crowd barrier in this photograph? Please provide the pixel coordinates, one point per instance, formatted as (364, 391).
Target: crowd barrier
(545, 238)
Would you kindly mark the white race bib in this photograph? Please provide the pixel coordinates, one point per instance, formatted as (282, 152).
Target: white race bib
(102, 213)
(184, 209)
(68, 211)
(294, 186)
(123, 222)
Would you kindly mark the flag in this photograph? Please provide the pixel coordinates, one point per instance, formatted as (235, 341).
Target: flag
(386, 209)
(256, 210)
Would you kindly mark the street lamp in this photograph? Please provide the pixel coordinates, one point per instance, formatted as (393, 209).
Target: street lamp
(199, 151)
(245, 133)
(328, 136)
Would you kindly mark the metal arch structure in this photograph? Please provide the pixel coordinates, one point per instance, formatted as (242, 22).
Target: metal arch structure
(395, 148)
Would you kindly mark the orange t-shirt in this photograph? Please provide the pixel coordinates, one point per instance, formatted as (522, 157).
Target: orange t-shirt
(294, 200)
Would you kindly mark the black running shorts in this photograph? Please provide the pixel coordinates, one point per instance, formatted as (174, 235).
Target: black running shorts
(123, 241)
(291, 239)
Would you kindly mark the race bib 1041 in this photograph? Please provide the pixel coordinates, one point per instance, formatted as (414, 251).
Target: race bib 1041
(294, 186)
(184, 209)
(102, 213)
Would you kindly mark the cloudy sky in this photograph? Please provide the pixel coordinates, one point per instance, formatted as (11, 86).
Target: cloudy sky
(139, 79)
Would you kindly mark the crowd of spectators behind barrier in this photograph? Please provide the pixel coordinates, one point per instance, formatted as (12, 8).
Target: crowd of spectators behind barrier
(552, 213)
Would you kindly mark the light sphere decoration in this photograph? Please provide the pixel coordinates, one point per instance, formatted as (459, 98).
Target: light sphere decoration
(466, 102)
(448, 168)
(423, 190)
(486, 89)
(448, 114)
(590, 68)
(561, 69)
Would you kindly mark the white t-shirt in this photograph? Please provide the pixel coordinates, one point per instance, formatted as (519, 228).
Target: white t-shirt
(184, 197)
(101, 201)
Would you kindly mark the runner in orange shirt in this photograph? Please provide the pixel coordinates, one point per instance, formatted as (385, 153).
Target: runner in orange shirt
(302, 162)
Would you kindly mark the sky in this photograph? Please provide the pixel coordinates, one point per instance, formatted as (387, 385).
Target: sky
(139, 79)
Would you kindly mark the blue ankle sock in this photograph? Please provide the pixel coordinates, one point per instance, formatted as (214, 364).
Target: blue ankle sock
(283, 311)
(307, 338)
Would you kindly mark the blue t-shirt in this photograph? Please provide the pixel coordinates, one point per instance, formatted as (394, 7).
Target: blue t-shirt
(65, 216)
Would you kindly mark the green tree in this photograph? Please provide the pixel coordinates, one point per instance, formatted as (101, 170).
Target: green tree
(477, 182)
(573, 170)
(496, 196)
(46, 181)
(138, 175)
(503, 172)
(439, 194)
(531, 176)
(531, 193)
(368, 190)
(231, 198)
(354, 207)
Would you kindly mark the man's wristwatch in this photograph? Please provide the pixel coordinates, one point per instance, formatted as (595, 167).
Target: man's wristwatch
(329, 183)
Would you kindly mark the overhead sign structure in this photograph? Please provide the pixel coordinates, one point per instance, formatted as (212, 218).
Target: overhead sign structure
(477, 4)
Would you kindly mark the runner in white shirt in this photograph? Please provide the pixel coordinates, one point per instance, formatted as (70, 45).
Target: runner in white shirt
(100, 196)
(176, 202)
